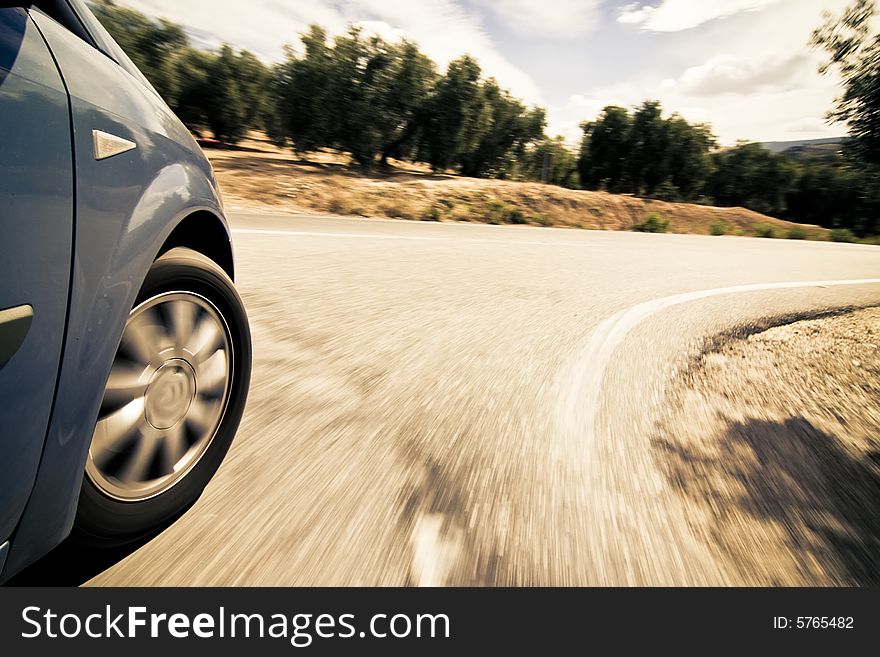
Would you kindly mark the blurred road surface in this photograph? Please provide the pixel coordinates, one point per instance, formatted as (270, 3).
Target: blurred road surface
(440, 404)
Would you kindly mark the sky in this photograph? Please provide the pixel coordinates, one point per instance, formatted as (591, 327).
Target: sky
(744, 66)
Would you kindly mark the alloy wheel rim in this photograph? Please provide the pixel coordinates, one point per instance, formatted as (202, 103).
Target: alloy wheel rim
(165, 397)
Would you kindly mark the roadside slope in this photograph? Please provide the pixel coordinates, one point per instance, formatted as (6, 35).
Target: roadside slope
(257, 177)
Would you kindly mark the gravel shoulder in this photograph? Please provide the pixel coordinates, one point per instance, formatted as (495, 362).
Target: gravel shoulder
(774, 442)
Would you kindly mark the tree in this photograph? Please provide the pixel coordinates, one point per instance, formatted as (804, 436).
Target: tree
(354, 64)
(750, 176)
(605, 149)
(251, 76)
(193, 82)
(507, 128)
(359, 95)
(563, 163)
(402, 91)
(647, 161)
(302, 90)
(836, 195)
(826, 194)
(453, 115)
(644, 153)
(688, 157)
(225, 110)
(855, 53)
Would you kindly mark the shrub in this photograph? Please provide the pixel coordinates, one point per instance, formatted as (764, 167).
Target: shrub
(542, 220)
(653, 223)
(718, 228)
(796, 233)
(495, 212)
(396, 211)
(433, 214)
(500, 213)
(843, 235)
(467, 213)
(765, 230)
(336, 206)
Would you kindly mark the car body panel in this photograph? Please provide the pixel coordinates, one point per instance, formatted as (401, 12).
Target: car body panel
(36, 210)
(126, 208)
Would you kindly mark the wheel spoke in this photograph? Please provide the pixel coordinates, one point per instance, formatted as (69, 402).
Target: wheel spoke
(213, 373)
(144, 337)
(173, 446)
(113, 430)
(138, 466)
(182, 315)
(126, 383)
(206, 339)
(201, 415)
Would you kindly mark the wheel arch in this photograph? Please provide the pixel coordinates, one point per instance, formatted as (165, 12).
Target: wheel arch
(204, 232)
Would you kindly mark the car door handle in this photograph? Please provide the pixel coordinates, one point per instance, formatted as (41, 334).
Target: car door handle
(14, 326)
(107, 145)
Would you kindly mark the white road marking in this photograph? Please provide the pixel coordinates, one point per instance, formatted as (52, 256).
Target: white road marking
(290, 233)
(255, 231)
(583, 385)
(536, 243)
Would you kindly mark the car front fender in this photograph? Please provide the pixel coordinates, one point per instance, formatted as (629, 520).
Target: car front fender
(110, 263)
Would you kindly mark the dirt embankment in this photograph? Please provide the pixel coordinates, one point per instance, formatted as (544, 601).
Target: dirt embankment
(774, 442)
(259, 177)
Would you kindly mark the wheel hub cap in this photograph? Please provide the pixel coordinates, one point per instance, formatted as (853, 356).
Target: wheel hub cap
(169, 394)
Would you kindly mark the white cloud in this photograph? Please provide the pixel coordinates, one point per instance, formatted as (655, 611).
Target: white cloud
(633, 14)
(729, 74)
(751, 77)
(443, 29)
(383, 29)
(262, 26)
(733, 94)
(677, 15)
(565, 19)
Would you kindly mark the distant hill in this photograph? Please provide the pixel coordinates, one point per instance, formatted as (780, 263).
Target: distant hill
(807, 149)
(782, 146)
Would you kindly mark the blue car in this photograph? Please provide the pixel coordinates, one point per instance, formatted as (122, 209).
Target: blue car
(125, 352)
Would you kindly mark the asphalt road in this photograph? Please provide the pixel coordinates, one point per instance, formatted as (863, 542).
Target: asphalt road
(472, 405)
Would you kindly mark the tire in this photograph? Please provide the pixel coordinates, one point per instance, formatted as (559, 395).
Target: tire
(187, 338)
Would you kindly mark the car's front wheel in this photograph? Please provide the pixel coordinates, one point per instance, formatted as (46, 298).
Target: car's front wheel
(172, 403)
